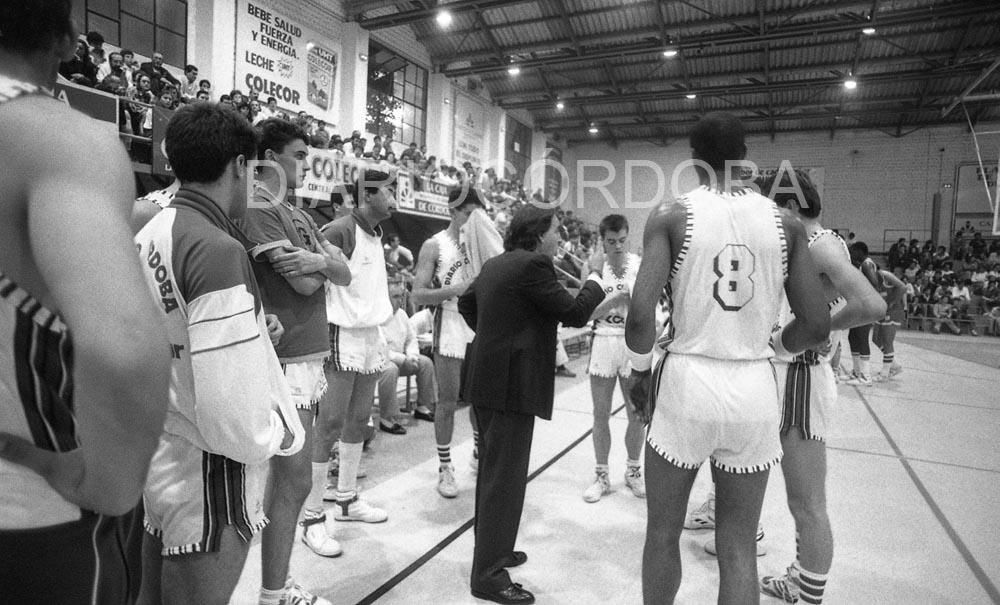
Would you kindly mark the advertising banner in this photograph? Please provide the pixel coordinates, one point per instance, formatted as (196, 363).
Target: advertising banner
(973, 190)
(99, 105)
(469, 131)
(278, 55)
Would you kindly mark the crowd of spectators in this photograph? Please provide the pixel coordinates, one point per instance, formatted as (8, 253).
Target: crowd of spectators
(956, 289)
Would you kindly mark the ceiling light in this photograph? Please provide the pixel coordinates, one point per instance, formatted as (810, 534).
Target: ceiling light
(850, 83)
(513, 69)
(560, 105)
(443, 19)
(670, 53)
(868, 31)
(690, 95)
(593, 128)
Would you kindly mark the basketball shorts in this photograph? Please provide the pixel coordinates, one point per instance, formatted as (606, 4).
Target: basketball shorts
(607, 356)
(719, 409)
(893, 317)
(361, 350)
(96, 560)
(809, 395)
(451, 333)
(192, 495)
(307, 382)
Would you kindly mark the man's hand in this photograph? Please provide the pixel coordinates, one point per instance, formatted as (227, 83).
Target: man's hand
(639, 385)
(274, 328)
(825, 348)
(295, 262)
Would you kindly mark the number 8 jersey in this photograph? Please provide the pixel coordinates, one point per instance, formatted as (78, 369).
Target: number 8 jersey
(727, 282)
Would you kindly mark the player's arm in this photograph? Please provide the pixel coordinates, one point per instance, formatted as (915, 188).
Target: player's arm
(143, 211)
(232, 405)
(610, 302)
(811, 325)
(423, 293)
(121, 357)
(654, 271)
(895, 289)
(864, 304)
(329, 264)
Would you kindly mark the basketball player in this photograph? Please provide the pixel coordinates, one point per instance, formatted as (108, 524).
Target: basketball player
(294, 263)
(355, 313)
(608, 364)
(442, 276)
(717, 397)
(83, 382)
(809, 392)
(230, 405)
(147, 206)
(859, 337)
(884, 332)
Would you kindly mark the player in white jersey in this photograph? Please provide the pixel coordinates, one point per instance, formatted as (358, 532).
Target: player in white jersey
(84, 361)
(726, 254)
(149, 205)
(809, 392)
(608, 364)
(443, 268)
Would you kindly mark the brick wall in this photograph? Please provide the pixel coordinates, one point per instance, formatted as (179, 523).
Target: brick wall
(873, 181)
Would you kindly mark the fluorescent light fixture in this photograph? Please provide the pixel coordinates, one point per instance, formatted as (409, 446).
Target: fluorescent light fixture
(513, 69)
(690, 95)
(850, 83)
(593, 128)
(443, 19)
(560, 105)
(868, 31)
(670, 53)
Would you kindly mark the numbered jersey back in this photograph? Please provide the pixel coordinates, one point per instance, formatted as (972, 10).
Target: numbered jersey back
(728, 280)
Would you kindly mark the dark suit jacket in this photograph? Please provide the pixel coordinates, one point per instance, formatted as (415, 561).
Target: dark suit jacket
(515, 307)
(156, 76)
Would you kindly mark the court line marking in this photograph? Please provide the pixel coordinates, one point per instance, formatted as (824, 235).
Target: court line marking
(904, 398)
(464, 527)
(922, 460)
(970, 560)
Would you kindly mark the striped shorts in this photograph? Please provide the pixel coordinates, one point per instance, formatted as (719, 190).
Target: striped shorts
(361, 350)
(809, 394)
(191, 495)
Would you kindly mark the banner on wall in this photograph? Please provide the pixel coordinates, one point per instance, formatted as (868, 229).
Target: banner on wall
(330, 170)
(469, 131)
(278, 55)
(973, 188)
(97, 104)
(553, 177)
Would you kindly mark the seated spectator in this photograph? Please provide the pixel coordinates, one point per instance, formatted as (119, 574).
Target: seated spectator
(410, 153)
(244, 110)
(158, 74)
(226, 100)
(131, 64)
(166, 100)
(114, 66)
(96, 42)
(80, 69)
(319, 139)
(268, 111)
(190, 87)
(236, 98)
(912, 270)
(398, 257)
(390, 158)
(143, 94)
(202, 96)
(945, 314)
(979, 274)
(404, 359)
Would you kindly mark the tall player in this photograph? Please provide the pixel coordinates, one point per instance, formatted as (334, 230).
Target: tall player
(859, 337)
(810, 393)
(884, 332)
(716, 397)
(83, 382)
(442, 276)
(608, 364)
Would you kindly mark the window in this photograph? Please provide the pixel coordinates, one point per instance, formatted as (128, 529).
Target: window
(518, 148)
(144, 26)
(395, 80)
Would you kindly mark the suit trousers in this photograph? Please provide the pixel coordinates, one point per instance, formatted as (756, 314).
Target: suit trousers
(503, 475)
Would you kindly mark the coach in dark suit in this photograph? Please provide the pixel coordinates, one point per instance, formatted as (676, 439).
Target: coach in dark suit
(514, 306)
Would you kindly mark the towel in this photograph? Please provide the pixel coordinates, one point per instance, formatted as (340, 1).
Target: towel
(481, 240)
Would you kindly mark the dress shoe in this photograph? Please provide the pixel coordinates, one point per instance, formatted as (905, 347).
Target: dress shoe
(428, 416)
(516, 559)
(395, 428)
(565, 372)
(512, 594)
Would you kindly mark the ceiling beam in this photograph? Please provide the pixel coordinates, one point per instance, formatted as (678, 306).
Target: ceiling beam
(972, 85)
(356, 8)
(420, 14)
(700, 40)
(753, 87)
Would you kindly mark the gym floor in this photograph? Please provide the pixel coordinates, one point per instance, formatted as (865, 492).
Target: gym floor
(913, 486)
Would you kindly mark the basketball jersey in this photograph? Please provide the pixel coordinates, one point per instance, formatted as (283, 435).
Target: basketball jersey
(36, 391)
(364, 303)
(835, 305)
(452, 265)
(613, 321)
(728, 279)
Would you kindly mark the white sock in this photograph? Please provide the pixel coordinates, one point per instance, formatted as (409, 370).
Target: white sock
(856, 362)
(864, 365)
(272, 597)
(601, 468)
(350, 460)
(314, 501)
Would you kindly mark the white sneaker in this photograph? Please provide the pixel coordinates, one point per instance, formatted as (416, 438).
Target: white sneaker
(296, 595)
(356, 509)
(634, 481)
(702, 517)
(446, 481)
(318, 539)
(598, 488)
(895, 370)
(761, 551)
(784, 587)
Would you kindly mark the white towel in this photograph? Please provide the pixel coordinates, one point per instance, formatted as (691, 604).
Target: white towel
(481, 240)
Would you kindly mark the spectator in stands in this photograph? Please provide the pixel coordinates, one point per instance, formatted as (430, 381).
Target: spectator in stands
(167, 99)
(189, 88)
(80, 69)
(158, 74)
(114, 66)
(202, 96)
(143, 94)
(96, 42)
(236, 97)
(226, 100)
(397, 256)
(390, 158)
(205, 85)
(376, 150)
(336, 143)
(944, 314)
(244, 110)
(940, 257)
(130, 62)
(410, 153)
